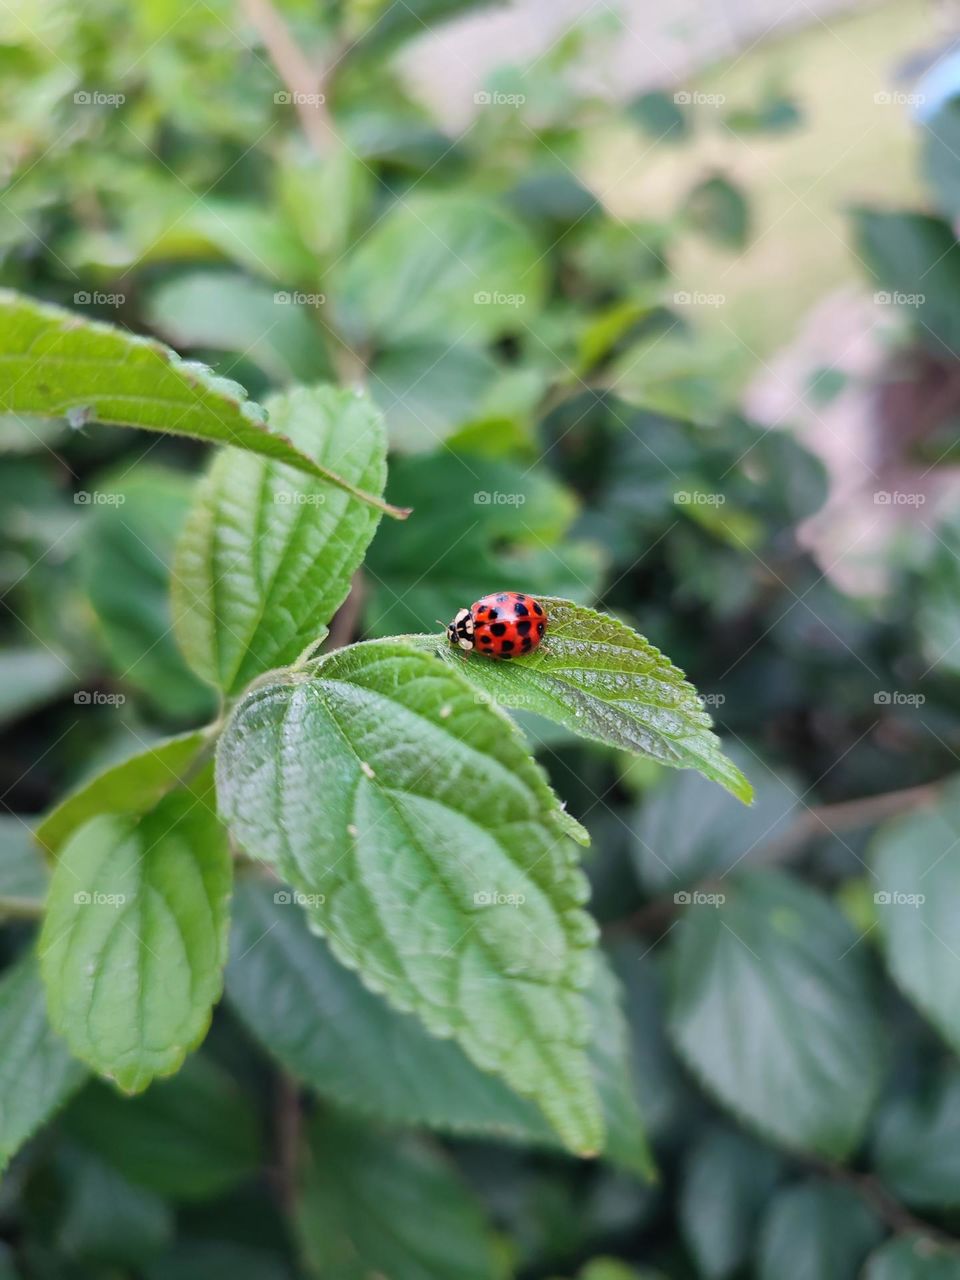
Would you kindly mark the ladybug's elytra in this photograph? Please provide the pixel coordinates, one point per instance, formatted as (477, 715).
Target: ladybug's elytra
(504, 625)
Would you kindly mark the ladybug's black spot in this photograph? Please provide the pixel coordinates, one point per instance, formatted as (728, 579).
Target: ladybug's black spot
(499, 628)
(523, 628)
(537, 609)
(486, 640)
(539, 628)
(493, 613)
(527, 645)
(520, 609)
(506, 646)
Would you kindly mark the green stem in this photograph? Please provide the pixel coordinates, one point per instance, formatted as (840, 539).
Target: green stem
(16, 908)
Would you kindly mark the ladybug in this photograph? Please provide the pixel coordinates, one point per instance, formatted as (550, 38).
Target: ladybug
(503, 625)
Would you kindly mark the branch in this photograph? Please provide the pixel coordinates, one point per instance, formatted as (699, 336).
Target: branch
(306, 84)
(887, 1207)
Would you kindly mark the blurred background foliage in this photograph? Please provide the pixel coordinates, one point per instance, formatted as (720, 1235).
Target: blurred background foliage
(639, 395)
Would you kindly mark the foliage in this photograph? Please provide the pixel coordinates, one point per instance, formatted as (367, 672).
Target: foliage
(327, 949)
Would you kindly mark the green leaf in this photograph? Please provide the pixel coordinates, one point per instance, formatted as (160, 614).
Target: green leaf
(427, 390)
(719, 210)
(446, 266)
(107, 1219)
(328, 1030)
(54, 363)
(496, 523)
(131, 787)
(126, 549)
(188, 1138)
(769, 1000)
(37, 1074)
(913, 1258)
(916, 260)
(220, 311)
(916, 1145)
(598, 677)
(816, 1231)
(29, 678)
(366, 1198)
(917, 880)
(727, 1181)
(686, 830)
(433, 856)
(268, 553)
(134, 938)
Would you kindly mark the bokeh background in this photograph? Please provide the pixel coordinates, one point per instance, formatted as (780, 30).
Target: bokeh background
(662, 306)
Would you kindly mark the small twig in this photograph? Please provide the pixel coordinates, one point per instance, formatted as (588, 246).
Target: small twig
(307, 85)
(16, 908)
(287, 1116)
(347, 618)
(887, 1207)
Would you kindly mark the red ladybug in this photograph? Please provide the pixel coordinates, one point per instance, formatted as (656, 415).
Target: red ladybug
(504, 625)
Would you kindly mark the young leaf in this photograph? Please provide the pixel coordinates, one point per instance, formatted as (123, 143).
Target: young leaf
(131, 787)
(37, 1074)
(268, 552)
(328, 1030)
(769, 1000)
(367, 1198)
(916, 1147)
(54, 363)
(601, 679)
(917, 878)
(134, 938)
(433, 855)
(188, 1138)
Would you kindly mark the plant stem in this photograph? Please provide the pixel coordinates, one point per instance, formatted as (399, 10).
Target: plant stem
(306, 84)
(886, 1206)
(16, 908)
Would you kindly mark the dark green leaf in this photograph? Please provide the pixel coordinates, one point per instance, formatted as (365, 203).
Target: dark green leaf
(917, 1144)
(770, 1001)
(913, 1258)
(816, 1231)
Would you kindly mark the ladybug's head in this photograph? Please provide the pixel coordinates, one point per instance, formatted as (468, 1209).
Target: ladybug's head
(460, 630)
